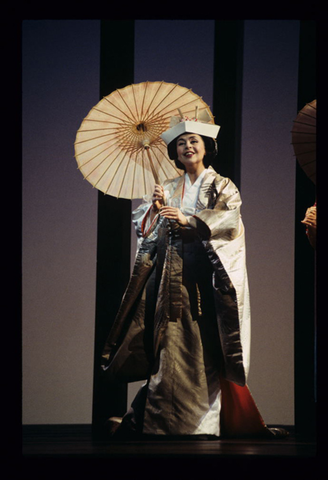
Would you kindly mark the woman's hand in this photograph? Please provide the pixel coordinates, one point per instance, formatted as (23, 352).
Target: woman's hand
(172, 213)
(310, 217)
(310, 221)
(158, 198)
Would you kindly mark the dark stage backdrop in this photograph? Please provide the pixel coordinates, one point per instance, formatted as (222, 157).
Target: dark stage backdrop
(61, 83)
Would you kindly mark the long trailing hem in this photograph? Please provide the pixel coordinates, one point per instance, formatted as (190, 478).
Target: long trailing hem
(239, 417)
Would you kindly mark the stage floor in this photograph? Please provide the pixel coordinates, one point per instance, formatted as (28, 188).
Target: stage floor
(72, 441)
(52, 449)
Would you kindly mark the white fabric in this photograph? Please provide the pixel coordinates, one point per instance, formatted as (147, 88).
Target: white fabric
(191, 192)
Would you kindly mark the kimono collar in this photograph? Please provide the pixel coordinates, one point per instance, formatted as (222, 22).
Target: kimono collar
(198, 181)
(190, 190)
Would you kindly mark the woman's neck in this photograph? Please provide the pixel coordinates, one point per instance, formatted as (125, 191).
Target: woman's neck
(194, 172)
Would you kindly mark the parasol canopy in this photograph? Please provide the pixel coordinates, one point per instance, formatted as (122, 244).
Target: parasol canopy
(304, 135)
(118, 147)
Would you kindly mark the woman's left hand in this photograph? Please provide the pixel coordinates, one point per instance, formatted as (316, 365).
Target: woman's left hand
(311, 217)
(173, 213)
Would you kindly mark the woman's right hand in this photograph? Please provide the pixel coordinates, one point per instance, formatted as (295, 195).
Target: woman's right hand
(158, 198)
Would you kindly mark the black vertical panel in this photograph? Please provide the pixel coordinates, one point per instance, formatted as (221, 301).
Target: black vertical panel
(227, 95)
(114, 224)
(305, 321)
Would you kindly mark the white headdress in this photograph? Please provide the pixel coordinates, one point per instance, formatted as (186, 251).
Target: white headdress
(200, 124)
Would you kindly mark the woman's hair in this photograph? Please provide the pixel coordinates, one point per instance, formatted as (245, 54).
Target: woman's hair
(210, 152)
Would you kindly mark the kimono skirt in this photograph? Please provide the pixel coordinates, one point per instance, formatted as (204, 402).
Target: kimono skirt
(182, 396)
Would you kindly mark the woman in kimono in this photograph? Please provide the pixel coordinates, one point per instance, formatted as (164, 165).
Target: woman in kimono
(184, 322)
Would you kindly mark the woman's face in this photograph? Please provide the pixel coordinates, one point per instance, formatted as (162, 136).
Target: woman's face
(190, 149)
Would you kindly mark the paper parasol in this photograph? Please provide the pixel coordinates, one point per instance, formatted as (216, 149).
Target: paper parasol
(304, 136)
(118, 147)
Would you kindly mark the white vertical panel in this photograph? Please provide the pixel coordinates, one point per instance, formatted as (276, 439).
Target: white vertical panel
(269, 105)
(60, 61)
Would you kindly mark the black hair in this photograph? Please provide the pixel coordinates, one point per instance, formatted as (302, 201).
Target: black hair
(210, 149)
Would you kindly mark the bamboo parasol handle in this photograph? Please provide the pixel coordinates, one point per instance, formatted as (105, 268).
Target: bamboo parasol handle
(158, 204)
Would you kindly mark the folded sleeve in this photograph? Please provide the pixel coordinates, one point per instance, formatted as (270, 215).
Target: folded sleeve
(223, 220)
